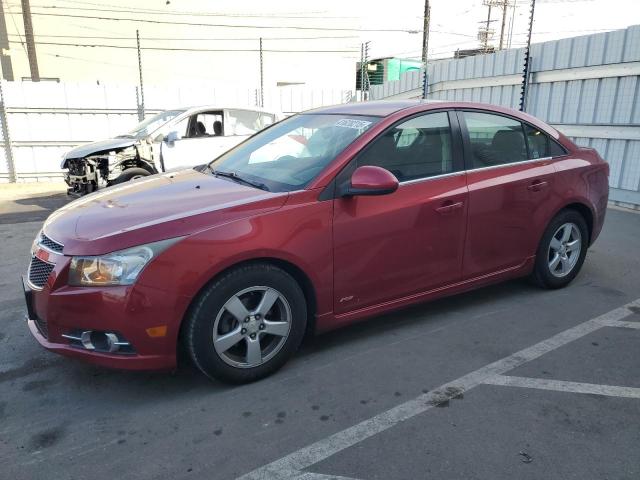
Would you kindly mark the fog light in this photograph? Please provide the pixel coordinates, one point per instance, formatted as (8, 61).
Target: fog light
(94, 340)
(100, 341)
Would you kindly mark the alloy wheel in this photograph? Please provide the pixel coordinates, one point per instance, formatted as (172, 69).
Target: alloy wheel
(564, 249)
(252, 326)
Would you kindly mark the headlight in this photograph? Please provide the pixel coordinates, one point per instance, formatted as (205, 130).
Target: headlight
(116, 268)
(34, 244)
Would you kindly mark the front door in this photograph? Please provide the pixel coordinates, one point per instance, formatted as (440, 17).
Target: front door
(202, 142)
(510, 182)
(410, 241)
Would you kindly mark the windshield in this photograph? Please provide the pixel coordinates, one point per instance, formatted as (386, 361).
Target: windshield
(288, 155)
(151, 124)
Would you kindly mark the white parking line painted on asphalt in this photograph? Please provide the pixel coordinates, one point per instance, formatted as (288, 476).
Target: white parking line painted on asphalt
(320, 476)
(292, 465)
(623, 324)
(563, 386)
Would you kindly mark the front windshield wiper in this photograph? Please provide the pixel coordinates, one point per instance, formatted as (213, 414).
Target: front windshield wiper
(126, 135)
(237, 178)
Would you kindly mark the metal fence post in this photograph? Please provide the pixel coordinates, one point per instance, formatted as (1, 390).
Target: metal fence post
(365, 70)
(261, 77)
(361, 74)
(141, 108)
(8, 150)
(138, 108)
(524, 89)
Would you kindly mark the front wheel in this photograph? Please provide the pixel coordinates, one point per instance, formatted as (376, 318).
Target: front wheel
(130, 174)
(246, 324)
(562, 250)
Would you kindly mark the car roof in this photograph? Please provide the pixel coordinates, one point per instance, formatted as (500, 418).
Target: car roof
(199, 108)
(376, 108)
(385, 108)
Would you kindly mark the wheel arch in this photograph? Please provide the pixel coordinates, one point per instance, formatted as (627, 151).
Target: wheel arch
(298, 274)
(584, 210)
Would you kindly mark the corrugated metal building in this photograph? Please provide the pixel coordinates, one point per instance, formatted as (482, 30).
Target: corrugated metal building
(588, 87)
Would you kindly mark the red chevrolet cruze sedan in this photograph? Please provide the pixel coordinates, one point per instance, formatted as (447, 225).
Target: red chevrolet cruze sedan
(321, 220)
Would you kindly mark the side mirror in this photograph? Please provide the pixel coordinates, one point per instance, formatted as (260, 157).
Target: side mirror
(171, 137)
(370, 180)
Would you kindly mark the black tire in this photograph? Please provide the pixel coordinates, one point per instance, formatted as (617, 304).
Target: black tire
(542, 274)
(130, 174)
(198, 329)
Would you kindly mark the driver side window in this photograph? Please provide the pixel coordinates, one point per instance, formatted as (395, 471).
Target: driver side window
(205, 124)
(415, 149)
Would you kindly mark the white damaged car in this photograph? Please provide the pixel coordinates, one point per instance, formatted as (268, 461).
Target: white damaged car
(168, 140)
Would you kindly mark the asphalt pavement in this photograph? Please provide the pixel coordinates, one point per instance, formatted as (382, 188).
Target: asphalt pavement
(505, 382)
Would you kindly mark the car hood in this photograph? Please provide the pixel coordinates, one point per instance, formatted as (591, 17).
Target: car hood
(100, 147)
(155, 208)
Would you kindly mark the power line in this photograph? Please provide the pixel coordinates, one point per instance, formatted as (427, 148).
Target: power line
(188, 14)
(134, 10)
(187, 39)
(458, 34)
(193, 13)
(185, 49)
(225, 25)
(412, 31)
(415, 53)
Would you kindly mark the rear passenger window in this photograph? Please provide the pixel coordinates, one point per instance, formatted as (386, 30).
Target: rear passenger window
(417, 148)
(244, 122)
(541, 145)
(495, 140)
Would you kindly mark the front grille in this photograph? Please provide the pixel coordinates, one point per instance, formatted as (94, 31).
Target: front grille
(41, 325)
(77, 166)
(50, 244)
(39, 272)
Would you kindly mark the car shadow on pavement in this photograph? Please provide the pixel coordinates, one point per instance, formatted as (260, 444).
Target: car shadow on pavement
(32, 208)
(400, 320)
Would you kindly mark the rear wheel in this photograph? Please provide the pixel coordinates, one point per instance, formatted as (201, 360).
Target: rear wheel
(130, 174)
(562, 250)
(247, 324)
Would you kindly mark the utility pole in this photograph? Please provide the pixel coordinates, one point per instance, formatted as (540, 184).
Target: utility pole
(505, 5)
(261, 77)
(486, 38)
(485, 32)
(511, 23)
(141, 106)
(425, 45)
(31, 45)
(5, 59)
(527, 62)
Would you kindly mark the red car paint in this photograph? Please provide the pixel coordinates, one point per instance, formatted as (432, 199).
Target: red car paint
(355, 256)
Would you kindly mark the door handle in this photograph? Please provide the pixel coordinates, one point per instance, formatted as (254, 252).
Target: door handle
(537, 185)
(448, 207)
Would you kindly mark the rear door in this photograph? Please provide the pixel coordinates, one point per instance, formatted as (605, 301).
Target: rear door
(241, 124)
(392, 246)
(510, 185)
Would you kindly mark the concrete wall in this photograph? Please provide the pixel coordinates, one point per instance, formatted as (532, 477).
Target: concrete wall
(588, 87)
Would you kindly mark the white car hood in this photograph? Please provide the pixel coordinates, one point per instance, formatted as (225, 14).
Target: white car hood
(98, 147)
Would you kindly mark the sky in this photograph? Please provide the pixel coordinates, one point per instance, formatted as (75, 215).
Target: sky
(316, 43)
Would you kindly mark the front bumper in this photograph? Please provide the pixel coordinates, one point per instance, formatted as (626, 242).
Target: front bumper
(123, 362)
(128, 310)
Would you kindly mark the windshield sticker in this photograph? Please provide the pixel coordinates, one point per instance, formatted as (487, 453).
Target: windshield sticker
(349, 123)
